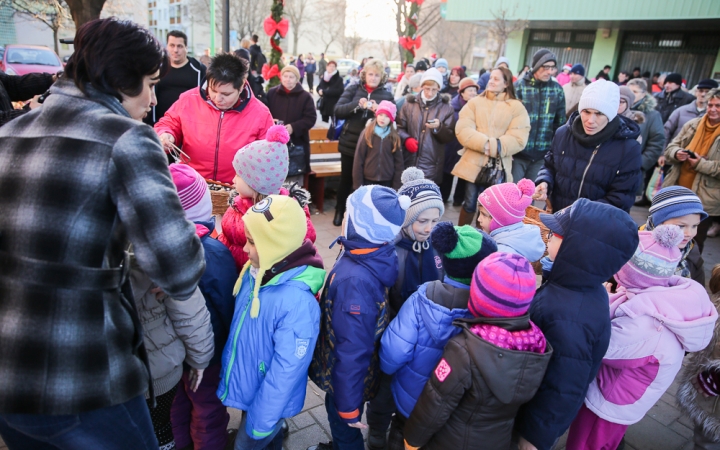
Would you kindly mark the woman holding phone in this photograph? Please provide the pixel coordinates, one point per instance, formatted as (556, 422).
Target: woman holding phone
(426, 122)
(695, 158)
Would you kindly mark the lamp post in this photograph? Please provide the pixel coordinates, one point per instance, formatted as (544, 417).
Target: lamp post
(226, 26)
(212, 27)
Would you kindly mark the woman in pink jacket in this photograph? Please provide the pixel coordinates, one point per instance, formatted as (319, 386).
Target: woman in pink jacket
(656, 317)
(212, 122)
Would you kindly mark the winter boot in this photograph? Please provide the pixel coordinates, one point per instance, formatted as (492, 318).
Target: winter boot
(376, 439)
(465, 218)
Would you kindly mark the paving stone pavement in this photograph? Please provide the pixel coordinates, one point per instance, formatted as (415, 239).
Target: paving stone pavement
(662, 428)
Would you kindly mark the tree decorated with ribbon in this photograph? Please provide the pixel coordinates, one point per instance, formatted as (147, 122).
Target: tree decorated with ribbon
(410, 27)
(276, 27)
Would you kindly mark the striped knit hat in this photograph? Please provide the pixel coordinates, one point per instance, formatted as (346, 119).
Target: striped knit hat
(424, 194)
(503, 285)
(675, 201)
(374, 214)
(461, 249)
(655, 259)
(506, 202)
(193, 192)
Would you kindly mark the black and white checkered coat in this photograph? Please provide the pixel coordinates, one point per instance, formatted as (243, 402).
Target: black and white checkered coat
(69, 171)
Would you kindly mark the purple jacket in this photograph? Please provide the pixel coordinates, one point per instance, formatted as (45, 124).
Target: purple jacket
(651, 331)
(300, 67)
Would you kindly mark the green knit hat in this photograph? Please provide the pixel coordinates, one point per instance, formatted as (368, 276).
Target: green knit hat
(461, 249)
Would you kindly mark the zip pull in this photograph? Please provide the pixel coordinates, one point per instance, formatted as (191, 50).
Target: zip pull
(582, 182)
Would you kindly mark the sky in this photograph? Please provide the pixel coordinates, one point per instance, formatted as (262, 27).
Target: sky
(373, 19)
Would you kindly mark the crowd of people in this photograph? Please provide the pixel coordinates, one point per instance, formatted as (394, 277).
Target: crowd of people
(123, 302)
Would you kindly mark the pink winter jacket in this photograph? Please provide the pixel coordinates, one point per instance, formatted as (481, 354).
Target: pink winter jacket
(652, 329)
(211, 137)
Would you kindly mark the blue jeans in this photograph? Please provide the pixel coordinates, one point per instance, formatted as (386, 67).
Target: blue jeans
(344, 437)
(524, 168)
(120, 427)
(472, 191)
(273, 441)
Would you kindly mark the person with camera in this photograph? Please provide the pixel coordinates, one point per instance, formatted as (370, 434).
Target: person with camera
(356, 106)
(695, 158)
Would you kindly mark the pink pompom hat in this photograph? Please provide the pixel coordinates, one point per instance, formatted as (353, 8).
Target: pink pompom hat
(263, 164)
(507, 202)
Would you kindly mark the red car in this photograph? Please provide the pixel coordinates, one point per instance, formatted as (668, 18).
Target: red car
(24, 59)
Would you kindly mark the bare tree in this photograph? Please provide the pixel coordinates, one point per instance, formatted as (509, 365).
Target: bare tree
(246, 16)
(441, 37)
(296, 11)
(54, 14)
(351, 44)
(83, 11)
(389, 49)
(330, 22)
(428, 17)
(502, 27)
(466, 36)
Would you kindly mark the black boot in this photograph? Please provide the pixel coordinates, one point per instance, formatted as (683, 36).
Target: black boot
(337, 221)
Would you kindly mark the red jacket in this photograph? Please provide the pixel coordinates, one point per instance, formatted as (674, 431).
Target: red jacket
(233, 228)
(211, 137)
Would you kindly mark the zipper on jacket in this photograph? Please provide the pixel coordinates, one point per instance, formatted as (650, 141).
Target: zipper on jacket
(226, 378)
(586, 169)
(217, 144)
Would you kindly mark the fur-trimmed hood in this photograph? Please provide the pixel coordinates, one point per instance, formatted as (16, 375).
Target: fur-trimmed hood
(703, 411)
(412, 98)
(645, 105)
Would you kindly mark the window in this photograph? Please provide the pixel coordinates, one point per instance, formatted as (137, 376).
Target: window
(585, 37)
(670, 40)
(562, 37)
(541, 36)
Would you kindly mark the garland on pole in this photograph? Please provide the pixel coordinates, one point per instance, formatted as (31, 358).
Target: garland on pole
(276, 27)
(410, 41)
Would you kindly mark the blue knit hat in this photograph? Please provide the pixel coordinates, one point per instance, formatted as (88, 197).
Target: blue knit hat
(675, 201)
(578, 69)
(424, 194)
(375, 214)
(442, 62)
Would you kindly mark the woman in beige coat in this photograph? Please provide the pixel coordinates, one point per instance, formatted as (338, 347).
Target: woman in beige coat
(493, 123)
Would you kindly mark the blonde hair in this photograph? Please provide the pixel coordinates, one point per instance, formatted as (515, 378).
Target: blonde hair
(377, 66)
(714, 284)
(370, 129)
(245, 43)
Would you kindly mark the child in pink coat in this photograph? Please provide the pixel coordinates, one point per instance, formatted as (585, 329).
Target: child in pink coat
(656, 317)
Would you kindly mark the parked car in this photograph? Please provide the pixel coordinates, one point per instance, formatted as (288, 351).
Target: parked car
(2, 52)
(395, 69)
(24, 59)
(346, 65)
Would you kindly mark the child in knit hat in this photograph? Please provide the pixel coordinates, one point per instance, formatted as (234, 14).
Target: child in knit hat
(275, 325)
(198, 416)
(260, 169)
(354, 310)
(572, 311)
(656, 317)
(493, 365)
(501, 209)
(378, 155)
(414, 340)
(677, 205)
(418, 263)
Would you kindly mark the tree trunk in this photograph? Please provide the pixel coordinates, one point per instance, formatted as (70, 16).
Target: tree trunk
(84, 11)
(55, 41)
(296, 38)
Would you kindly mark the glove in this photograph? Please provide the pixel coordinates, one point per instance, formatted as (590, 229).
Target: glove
(411, 145)
(196, 376)
(709, 382)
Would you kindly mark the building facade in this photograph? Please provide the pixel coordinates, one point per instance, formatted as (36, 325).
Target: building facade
(655, 35)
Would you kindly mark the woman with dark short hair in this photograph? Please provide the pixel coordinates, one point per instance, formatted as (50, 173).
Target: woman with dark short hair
(211, 123)
(81, 178)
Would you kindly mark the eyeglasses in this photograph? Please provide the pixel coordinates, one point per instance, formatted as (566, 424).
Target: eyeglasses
(548, 66)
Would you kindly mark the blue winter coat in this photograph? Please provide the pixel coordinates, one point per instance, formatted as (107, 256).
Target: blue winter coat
(414, 341)
(572, 310)
(265, 361)
(216, 286)
(520, 238)
(354, 316)
(608, 173)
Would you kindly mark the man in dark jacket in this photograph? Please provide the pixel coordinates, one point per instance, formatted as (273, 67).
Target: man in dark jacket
(19, 89)
(82, 178)
(673, 96)
(544, 100)
(257, 58)
(589, 159)
(693, 110)
(572, 310)
(185, 73)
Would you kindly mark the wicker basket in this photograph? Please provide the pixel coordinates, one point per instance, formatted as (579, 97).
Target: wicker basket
(532, 217)
(220, 196)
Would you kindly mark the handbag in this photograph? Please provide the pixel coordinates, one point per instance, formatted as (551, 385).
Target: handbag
(491, 173)
(320, 103)
(335, 128)
(655, 183)
(296, 157)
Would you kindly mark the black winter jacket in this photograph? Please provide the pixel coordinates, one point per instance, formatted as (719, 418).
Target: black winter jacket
(667, 103)
(19, 89)
(477, 400)
(331, 92)
(348, 108)
(295, 108)
(572, 310)
(411, 120)
(608, 173)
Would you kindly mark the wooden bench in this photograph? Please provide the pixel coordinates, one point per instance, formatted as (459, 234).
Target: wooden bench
(324, 162)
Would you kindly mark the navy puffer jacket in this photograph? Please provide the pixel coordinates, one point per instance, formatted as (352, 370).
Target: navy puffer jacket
(607, 173)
